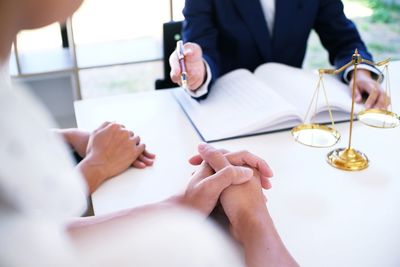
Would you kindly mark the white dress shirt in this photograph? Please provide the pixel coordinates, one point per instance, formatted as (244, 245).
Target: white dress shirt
(268, 7)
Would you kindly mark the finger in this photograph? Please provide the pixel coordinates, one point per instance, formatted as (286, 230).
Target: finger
(139, 164)
(264, 180)
(197, 159)
(358, 96)
(202, 172)
(194, 81)
(188, 52)
(382, 101)
(176, 77)
(213, 157)
(265, 183)
(192, 52)
(243, 158)
(146, 160)
(149, 155)
(388, 101)
(136, 139)
(175, 68)
(139, 149)
(246, 158)
(372, 98)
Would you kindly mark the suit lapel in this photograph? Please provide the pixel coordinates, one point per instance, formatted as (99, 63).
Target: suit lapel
(252, 14)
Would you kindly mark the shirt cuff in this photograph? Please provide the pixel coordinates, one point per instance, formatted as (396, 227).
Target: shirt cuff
(376, 74)
(202, 90)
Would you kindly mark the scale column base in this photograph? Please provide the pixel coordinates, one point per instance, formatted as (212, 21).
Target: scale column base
(347, 159)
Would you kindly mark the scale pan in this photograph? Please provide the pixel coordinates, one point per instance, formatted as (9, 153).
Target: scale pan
(379, 118)
(315, 135)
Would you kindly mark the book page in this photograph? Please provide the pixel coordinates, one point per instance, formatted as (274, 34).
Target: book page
(238, 104)
(297, 86)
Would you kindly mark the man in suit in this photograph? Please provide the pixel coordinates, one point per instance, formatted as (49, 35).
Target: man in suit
(229, 34)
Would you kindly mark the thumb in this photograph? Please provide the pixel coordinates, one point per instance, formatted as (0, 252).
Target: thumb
(188, 52)
(175, 68)
(192, 52)
(195, 160)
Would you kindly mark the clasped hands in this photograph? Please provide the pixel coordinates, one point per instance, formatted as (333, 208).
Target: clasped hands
(235, 179)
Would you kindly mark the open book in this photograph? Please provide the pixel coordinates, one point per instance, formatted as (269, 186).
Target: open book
(274, 97)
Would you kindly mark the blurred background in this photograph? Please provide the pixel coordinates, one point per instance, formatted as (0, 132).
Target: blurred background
(115, 47)
(379, 24)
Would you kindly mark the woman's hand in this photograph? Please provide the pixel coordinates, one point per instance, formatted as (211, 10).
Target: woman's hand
(111, 150)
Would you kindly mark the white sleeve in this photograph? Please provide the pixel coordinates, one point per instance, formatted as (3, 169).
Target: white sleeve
(37, 176)
(346, 74)
(29, 240)
(203, 89)
(161, 233)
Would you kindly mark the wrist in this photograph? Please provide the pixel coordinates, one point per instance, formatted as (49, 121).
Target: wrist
(77, 139)
(250, 223)
(179, 200)
(176, 200)
(68, 134)
(361, 72)
(93, 172)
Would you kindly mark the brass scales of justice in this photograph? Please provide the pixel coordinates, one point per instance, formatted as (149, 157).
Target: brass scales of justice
(319, 135)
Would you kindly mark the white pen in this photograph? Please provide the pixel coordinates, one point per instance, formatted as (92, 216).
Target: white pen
(181, 58)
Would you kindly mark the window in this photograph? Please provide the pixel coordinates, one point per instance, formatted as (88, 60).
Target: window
(119, 31)
(115, 44)
(177, 9)
(120, 42)
(41, 51)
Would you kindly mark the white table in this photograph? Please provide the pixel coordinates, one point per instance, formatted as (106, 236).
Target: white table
(325, 216)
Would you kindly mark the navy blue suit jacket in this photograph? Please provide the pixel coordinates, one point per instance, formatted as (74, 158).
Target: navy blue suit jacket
(234, 34)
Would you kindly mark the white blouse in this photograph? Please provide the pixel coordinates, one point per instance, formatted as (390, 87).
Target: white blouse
(39, 185)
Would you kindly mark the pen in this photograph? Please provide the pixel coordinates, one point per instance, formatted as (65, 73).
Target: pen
(181, 58)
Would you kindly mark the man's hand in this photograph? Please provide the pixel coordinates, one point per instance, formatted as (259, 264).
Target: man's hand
(206, 185)
(196, 70)
(243, 158)
(251, 224)
(377, 98)
(111, 150)
(245, 201)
